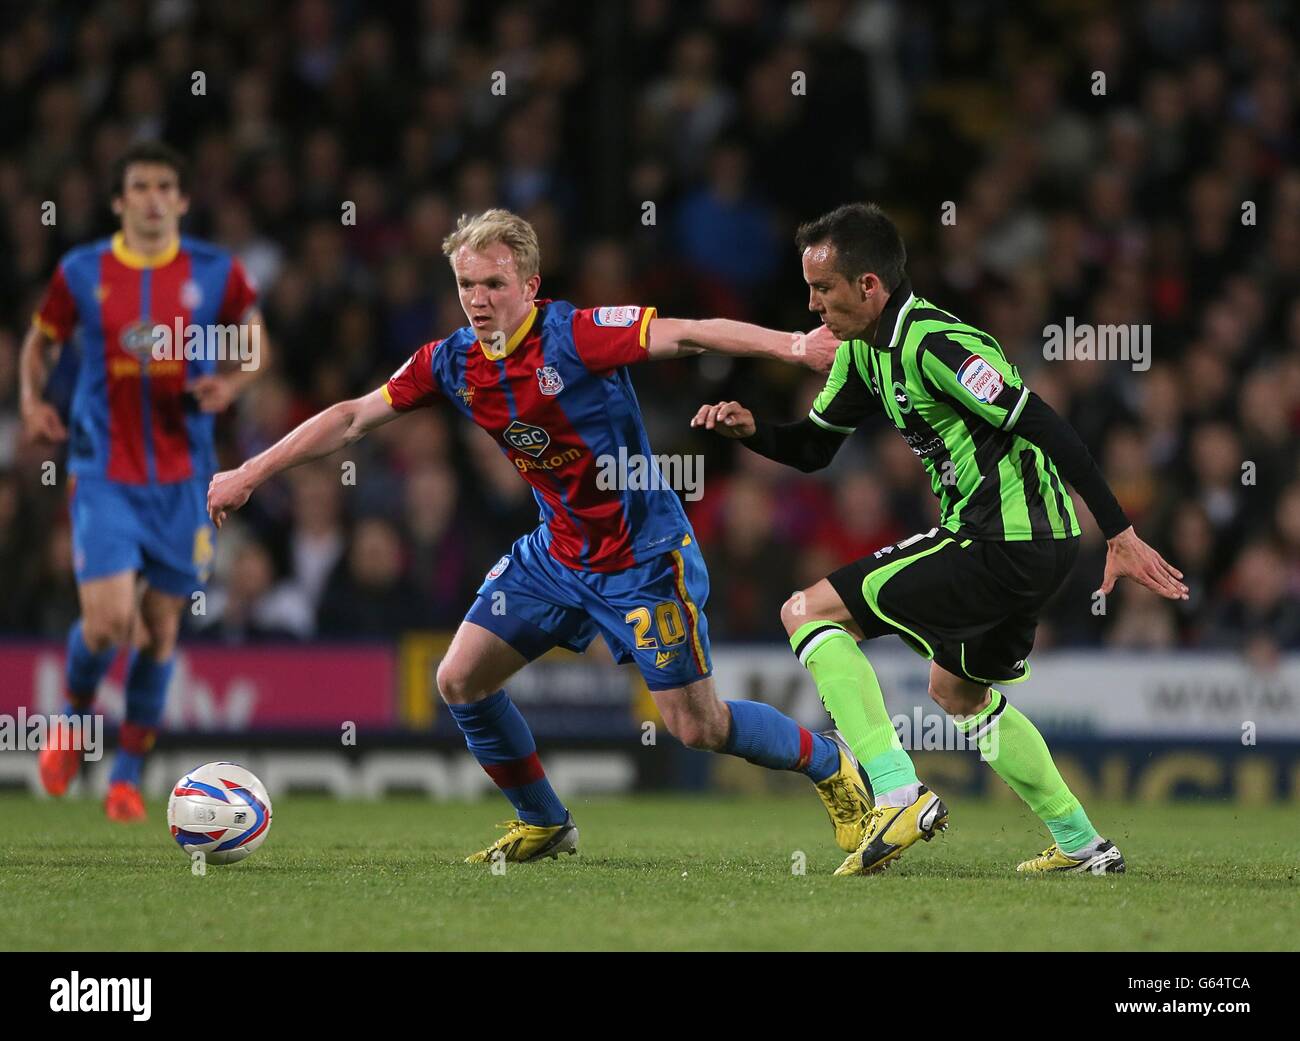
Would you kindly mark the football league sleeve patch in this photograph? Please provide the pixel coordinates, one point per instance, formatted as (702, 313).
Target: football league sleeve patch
(607, 338)
(975, 374)
(413, 384)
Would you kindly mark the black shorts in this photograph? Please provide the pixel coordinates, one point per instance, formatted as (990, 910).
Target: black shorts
(970, 606)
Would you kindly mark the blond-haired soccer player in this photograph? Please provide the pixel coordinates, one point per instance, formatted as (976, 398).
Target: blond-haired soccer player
(552, 384)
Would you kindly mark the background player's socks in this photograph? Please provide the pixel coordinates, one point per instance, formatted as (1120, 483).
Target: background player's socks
(767, 737)
(146, 694)
(848, 687)
(83, 669)
(1012, 745)
(500, 740)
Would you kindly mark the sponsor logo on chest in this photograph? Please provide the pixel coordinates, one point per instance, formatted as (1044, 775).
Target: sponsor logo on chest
(526, 438)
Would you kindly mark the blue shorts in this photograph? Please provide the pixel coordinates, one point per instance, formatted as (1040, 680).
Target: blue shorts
(651, 614)
(159, 530)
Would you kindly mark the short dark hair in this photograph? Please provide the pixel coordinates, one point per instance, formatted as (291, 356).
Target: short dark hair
(865, 240)
(147, 152)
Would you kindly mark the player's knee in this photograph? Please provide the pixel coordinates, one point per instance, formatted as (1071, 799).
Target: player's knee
(457, 685)
(957, 698)
(794, 612)
(159, 637)
(161, 642)
(104, 629)
(693, 734)
(705, 731)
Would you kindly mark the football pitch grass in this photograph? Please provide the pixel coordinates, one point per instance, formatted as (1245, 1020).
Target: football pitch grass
(653, 873)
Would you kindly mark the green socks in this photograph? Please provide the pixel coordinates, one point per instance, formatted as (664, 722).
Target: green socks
(848, 687)
(1018, 754)
(1010, 744)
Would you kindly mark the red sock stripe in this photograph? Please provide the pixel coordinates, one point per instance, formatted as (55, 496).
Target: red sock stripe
(136, 739)
(516, 773)
(805, 749)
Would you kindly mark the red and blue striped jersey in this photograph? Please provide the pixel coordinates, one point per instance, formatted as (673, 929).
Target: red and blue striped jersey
(558, 400)
(129, 420)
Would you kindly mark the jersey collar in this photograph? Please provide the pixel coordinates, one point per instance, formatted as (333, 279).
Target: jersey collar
(141, 261)
(516, 338)
(891, 318)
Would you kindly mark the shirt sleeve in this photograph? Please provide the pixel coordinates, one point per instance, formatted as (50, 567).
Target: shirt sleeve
(239, 294)
(846, 400)
(57, 315)
(413, 384)
(973, 372)
(609, 337)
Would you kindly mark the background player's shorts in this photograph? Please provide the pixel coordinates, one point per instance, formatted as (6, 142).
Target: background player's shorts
(651, 614)
(159, 530)
(971, 606)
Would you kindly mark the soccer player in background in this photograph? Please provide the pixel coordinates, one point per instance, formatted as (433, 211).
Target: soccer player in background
(550, 383)
(967, 593)
(140, 449)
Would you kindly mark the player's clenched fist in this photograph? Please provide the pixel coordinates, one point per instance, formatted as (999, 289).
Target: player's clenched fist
(729, 418)
(817, 349)
(41, 422)
(228, 491)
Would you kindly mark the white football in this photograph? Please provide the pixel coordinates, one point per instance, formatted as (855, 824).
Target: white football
(220, 810)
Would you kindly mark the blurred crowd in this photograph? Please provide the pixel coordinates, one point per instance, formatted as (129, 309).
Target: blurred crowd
(1126, 163)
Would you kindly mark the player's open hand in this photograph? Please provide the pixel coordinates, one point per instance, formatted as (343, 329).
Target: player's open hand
(227, 491)
(41, 422)
(1128, 556)
(214, 392)
(728, 418)
(816, 350)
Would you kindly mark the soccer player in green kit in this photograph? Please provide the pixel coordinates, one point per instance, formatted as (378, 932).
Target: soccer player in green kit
(967, 593)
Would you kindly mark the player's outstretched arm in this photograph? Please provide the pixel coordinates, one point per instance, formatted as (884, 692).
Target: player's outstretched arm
(40, 419)
(326, 432)
(677, 337)
(803, 444)
(1126, 555)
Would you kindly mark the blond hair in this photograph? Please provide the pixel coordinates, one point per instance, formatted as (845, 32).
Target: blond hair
(492, 226)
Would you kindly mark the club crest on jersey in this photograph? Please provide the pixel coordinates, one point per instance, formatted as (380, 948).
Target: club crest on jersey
(901, 399)
(530, 439)
(498, 568)
(191, 295)
(616, 317)
(982, 381)
(548, 381)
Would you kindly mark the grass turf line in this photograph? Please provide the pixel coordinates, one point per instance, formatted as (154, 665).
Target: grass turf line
(654, 873)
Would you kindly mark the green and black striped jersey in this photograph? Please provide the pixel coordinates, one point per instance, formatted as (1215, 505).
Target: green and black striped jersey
(950, 391)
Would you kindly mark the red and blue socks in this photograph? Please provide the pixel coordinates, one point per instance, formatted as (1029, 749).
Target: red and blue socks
(82, 670)
(498, 737)
(146, 694)
(767, 737)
